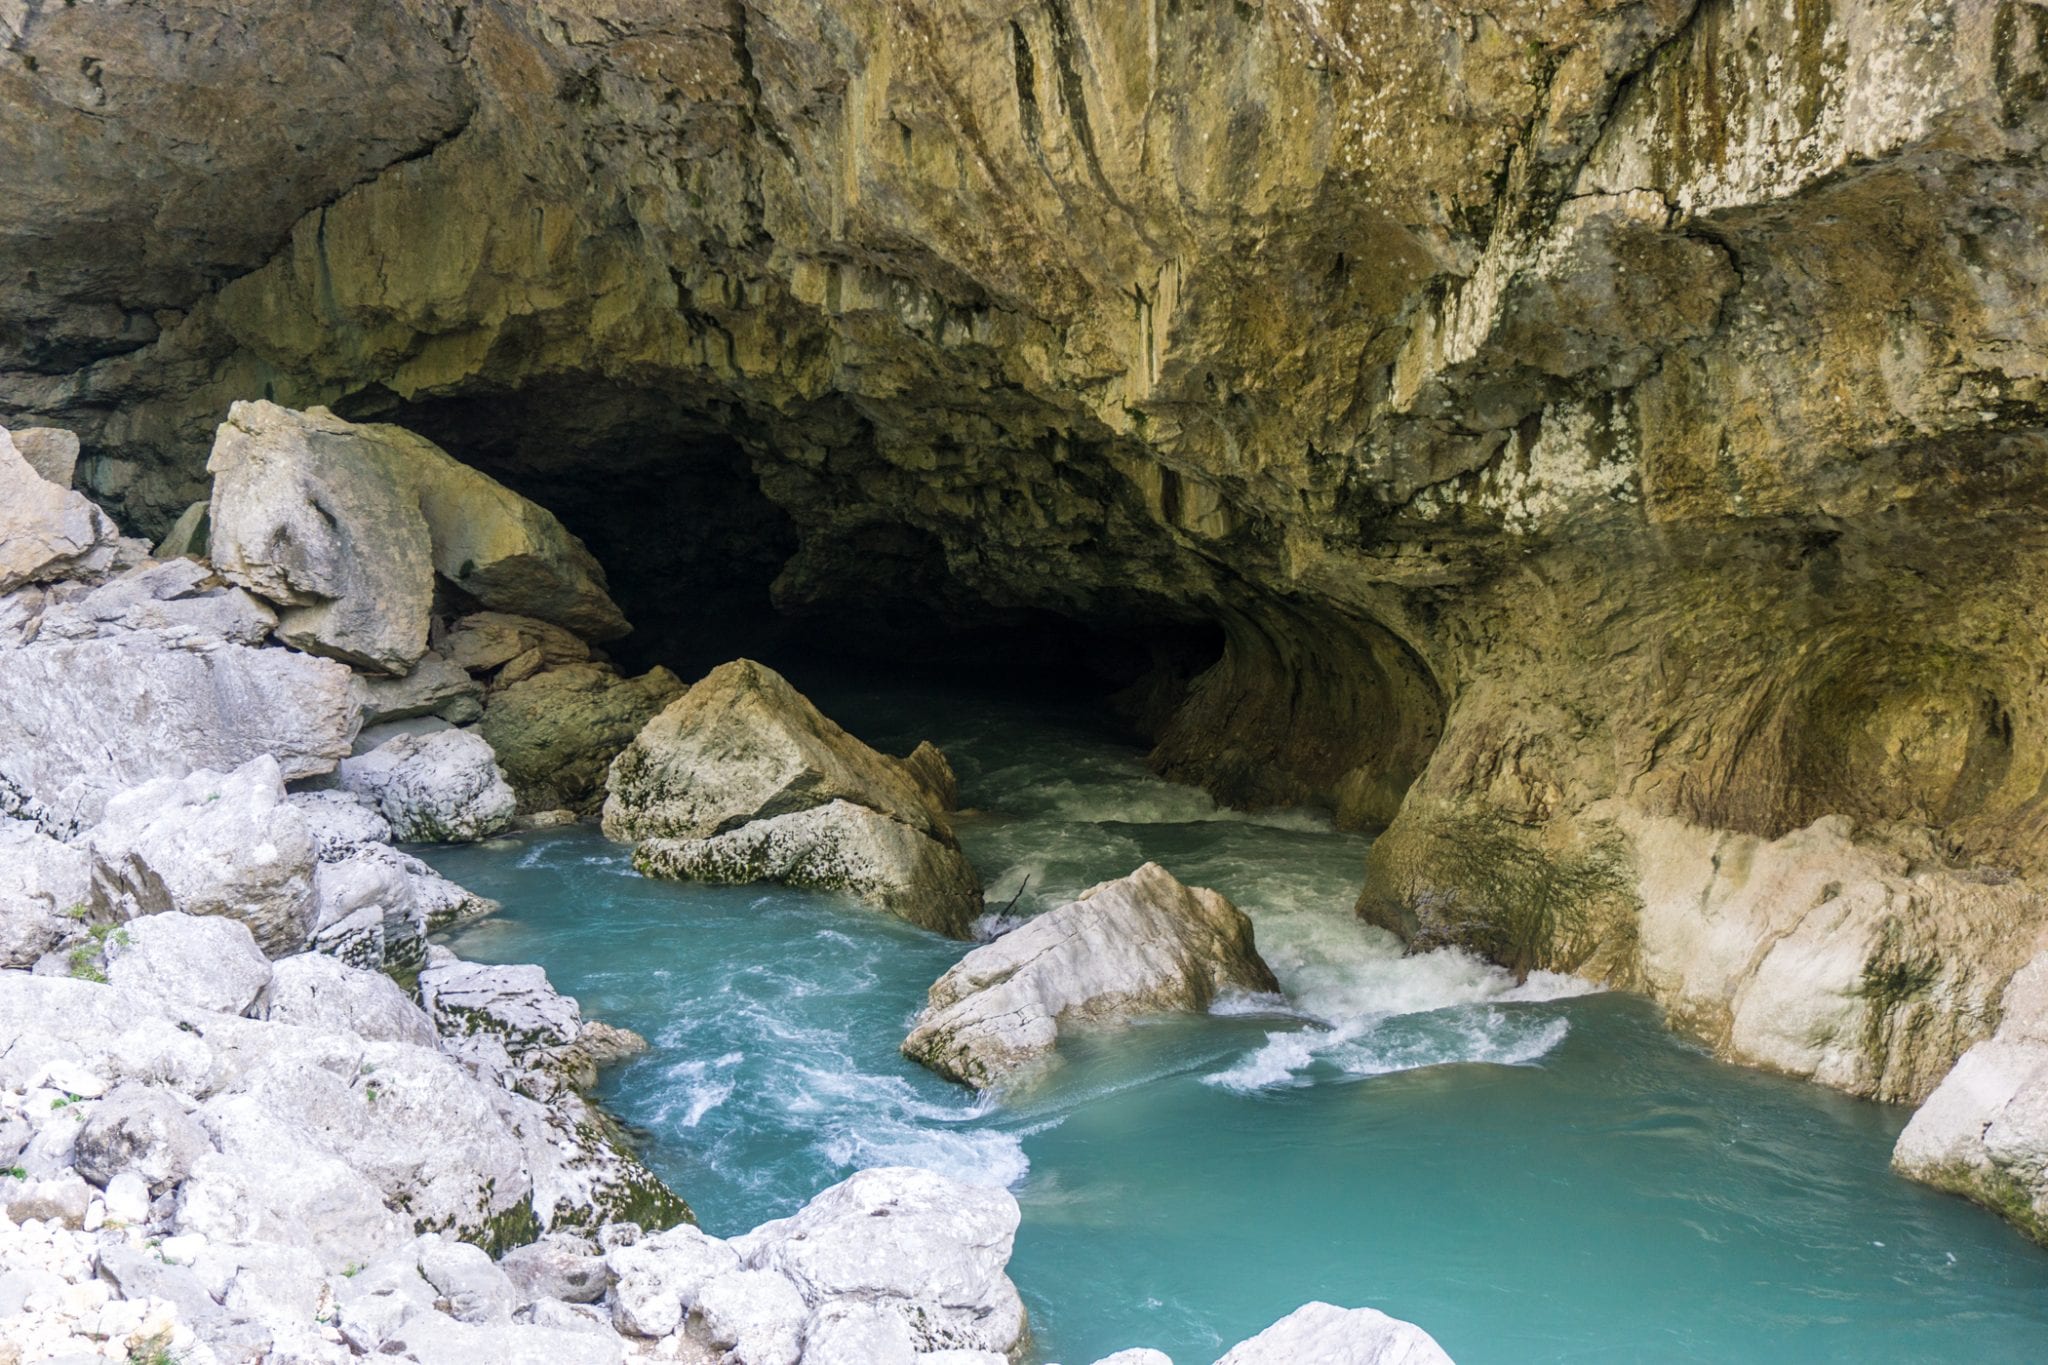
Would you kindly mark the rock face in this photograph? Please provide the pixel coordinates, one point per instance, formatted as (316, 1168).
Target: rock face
(81, 720)
(443, 787)
(741, 779)
(210, 844)
(45, 887)
(1143, 944)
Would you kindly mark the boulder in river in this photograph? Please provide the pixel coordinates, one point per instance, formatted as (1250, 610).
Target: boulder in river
(1983, 1133)
(839, 846)
(1142, 944)
(1329, 1335)
(742, 779)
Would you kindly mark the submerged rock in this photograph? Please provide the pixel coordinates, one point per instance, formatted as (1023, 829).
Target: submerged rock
(1142, 944)
(1330, 1335)
(557, 732)
(438, 788)
(213, 843)
(743, 779)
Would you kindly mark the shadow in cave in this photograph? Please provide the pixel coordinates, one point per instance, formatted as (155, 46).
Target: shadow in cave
(671, 503)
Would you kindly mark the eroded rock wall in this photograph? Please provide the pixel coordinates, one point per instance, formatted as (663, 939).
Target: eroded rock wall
(1580, 419)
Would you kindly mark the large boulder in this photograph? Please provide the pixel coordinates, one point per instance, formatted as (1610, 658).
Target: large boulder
(1143, 944)
(51, 451)
(211, 843)
(838, 846)
(141, 1128)
(742, 779)
(83, 719)
(911, 1242)
(1330, 1335)
(49, 532)
(742, 745)
(316, 514)
(557, 732)
(442, 787)
(44, 887)
(508, 647)
(314, 990)
(207, 962)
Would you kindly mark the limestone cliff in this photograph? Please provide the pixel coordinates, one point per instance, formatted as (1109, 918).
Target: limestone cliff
(1609, 436)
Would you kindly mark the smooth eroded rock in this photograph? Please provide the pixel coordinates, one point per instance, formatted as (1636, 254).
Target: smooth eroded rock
(1143, 944)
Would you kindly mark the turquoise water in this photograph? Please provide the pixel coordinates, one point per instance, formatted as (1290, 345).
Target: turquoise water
(1533, 1174)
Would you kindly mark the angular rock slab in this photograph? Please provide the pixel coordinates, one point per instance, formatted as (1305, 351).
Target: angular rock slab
(1143, 944)
(834, 847)
(47, 531)
(743, 745)
(83, 719)
(316, 515)
(208, 962)
(443, 787)
(226, 844)
(1330, 1335)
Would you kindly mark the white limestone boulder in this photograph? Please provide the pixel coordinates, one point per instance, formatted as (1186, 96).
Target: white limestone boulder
(656, 1280)
(444, 787)
(142, 1130)
(751, 1315)
(44, 889)
(81, 720)
(742, 779)
(212, 843)
(562, 1267)
(209, 962)
(1142, 944)
(316, 991)
(911, 1242)
(1329, 1335)
(316, 515)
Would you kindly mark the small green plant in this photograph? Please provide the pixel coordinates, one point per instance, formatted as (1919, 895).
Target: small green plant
(18, 1172)
(353, 1269)
(83, 963)
(78, 911)
(64, 1102)
(370, 1092)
